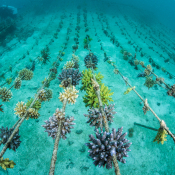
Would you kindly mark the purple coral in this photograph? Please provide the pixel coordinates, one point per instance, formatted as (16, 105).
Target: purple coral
(105, 145)
(95, 116)
(5, 133)
(74, 74)
(51, 126)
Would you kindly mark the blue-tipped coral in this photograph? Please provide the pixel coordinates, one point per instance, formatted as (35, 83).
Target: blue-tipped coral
(95, 116)
(70, 77)
(105, 145)
(51, 125)
(5, 133)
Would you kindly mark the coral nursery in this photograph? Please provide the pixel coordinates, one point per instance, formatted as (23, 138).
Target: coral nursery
(86, 87)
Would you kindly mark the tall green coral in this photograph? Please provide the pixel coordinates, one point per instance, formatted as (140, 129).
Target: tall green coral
(86, 80)
(6, 163)
(91, 100)
(37, 104)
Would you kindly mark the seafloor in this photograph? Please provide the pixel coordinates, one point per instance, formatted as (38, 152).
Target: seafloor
(132, 28)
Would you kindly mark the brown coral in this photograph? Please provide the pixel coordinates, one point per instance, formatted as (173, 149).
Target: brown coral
(148, 70)
(5, 94)
(69, 64)
(17, 83)
(25, 74)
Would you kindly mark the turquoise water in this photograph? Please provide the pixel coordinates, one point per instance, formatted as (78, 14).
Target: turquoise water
(136, 31)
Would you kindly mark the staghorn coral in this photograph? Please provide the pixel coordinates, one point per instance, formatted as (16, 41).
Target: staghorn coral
(68, 74)
(91, 61)
(149, 82)
(91, 100)
(6, 163)
(17, 83)
(69, 64)
(20, 109)
(148, 70)
(36, 105)
(70, 94)
(75, 59)
(25, 74)
(5, 94)
(136, 62)
(105, 145)
(95, 116)
(45, 55)
(51, 125)
(45, 94)
(171, 91)
(5, 133)
(87, 76)
(32, 113)
(142, 63)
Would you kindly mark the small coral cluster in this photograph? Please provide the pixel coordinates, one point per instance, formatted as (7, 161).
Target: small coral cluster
(52, 124)
(5, 94)
(5, 133)
(21, 109)
(149, 82)
(87, 79)
(95, 116)
(70, 93)
(91, 100)
(6, 163)
(69, 64)
(70, 77)
(75, 59)
(25, 74)
(45, 55)
(161, 136)
(148, 70)
(1, 109)
(91, 61)
(45, 94)
(105, 145)
(171, 92)
(17, 83)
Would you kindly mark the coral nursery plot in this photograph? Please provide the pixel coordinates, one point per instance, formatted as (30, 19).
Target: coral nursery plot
(86, 87)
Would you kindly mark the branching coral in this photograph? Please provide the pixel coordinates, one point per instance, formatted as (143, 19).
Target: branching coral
(91, 100)
(33, 113)
(148, 70)
(91, 61)
(95, 116)
(51, 125)
(171, 92)
(45, 55)
(25, 74)
(36, 105)
(129, 90)
(105, 145)
(5, 133)
(87, 76)
(5, 94)
(6, 163)
(20, 109)
(70, 94)
(45, 94)
(70, 76)
(69, 64)
(149, 82)
(17, 83)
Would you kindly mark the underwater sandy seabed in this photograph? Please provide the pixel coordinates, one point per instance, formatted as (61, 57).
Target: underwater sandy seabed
(34, 154)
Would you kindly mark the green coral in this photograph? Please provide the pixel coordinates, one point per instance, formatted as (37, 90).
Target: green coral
(9, 80)
(6, 163)
(161, 136)
(86, 80)
(37, 104)
(91, 100)
(149, 82)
